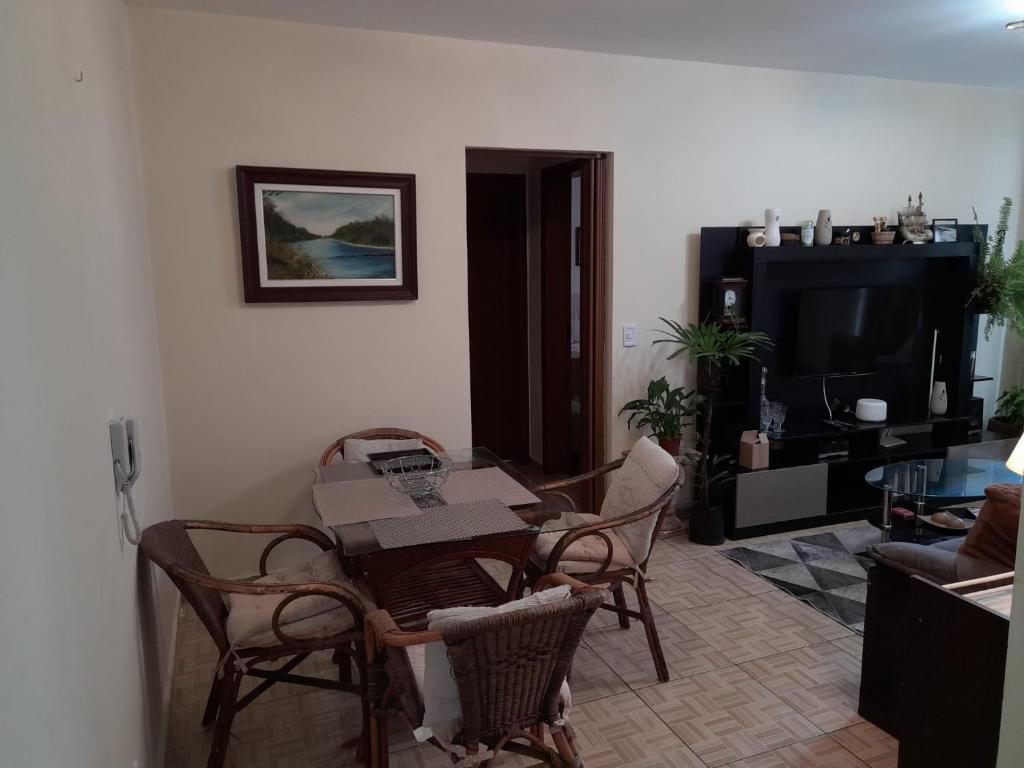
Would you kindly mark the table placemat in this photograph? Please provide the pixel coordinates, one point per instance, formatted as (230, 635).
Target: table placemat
(482, 484)
(360, 500)
(452, 523)
(343, 471)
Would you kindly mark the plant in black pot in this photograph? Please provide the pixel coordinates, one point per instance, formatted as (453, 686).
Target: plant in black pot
(666, 411)
(999, 292)
(1009, 417)
(712, 348)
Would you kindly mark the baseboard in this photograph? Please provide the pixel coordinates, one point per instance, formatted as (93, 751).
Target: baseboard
(160, 752)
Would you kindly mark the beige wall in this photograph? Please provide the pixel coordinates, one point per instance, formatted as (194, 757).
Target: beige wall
(84, 627)
(254, 393)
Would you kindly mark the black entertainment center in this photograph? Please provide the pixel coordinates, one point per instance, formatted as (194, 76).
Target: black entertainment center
(852, 321)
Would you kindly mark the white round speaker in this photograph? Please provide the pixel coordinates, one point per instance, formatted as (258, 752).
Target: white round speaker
(870, 409)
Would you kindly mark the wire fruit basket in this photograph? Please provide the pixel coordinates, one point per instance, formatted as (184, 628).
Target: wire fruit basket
(418, 477)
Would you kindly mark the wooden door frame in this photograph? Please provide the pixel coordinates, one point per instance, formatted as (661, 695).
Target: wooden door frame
(595, 297)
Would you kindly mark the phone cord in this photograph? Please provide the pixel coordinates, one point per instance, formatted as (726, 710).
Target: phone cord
(129, 520)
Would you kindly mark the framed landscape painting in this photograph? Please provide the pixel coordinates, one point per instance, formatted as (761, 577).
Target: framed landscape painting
(326, 235)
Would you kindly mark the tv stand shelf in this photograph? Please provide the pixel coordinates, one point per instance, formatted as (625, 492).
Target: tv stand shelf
(860, 252)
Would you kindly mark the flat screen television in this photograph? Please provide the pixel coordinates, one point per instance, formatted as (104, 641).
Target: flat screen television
(849, 331)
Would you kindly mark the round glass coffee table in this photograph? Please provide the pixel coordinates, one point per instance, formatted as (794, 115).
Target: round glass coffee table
(935, 480)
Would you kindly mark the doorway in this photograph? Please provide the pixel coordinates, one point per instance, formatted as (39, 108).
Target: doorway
(537, 249)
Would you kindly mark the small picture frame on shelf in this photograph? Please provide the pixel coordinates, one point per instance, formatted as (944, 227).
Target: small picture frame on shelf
(944, 230)
(729, 299)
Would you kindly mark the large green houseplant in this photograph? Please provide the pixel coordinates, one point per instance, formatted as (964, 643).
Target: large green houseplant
(712, 348)
(666, 411)
(999, 292)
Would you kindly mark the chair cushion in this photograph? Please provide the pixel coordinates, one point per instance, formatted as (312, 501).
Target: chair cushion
(442, 708)
(643, 477)
(585, 555)
(315, 617)
(993, 536)
(360, 450)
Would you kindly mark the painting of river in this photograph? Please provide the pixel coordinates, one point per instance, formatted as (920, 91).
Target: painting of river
(339, 259)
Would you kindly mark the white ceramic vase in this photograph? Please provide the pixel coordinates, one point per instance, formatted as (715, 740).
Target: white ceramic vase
(939, 402)
(772, 233)
(755, 237)
(823, 228)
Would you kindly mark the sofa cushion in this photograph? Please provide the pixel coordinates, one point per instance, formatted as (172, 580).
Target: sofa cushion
(647, 472)
(360, 450)
(585, 555)
(994, 536)
(941, 563)
(249, 616)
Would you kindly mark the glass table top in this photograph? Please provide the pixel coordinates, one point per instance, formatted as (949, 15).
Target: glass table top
(963, 479)
(550, 513)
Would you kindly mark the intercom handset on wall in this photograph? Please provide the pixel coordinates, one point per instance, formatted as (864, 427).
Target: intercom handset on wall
(124, 448)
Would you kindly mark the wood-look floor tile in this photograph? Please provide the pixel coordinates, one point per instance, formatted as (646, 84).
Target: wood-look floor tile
(592, 678)
(627, 653)
(725, 715)
(853, 645)
(688, 584)
(747, 629)
(822, 752)
(870, 744)
(820, 682)
(804, 614)
(738, 575)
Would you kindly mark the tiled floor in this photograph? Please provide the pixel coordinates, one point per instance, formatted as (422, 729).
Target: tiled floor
(758, 680)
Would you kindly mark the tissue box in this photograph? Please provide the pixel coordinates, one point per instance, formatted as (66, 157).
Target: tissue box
(753, 452)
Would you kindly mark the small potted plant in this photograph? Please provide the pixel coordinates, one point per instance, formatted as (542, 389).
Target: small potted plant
(999, 292)
(665, 411)
(712, 348)
(1009, 416)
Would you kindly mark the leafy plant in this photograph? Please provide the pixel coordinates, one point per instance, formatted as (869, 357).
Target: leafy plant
(1010, 406)
(665, 410)
(1000, 288)
(712, 347)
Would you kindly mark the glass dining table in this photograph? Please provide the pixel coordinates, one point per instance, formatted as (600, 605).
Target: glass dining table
(449, 549)
(935, 481)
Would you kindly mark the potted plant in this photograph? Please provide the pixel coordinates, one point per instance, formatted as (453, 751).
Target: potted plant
(664, 411)
(1009, 416)
(712, 348)
(999, 292)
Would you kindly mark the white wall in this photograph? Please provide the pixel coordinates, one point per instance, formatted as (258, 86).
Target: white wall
(254, 393)
(85, 629)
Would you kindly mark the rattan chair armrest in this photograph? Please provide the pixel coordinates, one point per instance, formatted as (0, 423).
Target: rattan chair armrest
(566, 497)
(321, 541)
(287, 530)
(554, 485)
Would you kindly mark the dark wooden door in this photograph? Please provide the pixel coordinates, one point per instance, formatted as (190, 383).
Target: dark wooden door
(499, 365)
(561, 374)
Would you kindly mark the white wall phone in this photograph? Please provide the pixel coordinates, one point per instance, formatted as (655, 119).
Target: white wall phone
(124, 448)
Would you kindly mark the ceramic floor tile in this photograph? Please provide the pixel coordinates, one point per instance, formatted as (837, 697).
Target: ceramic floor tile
(622, 731)
(853, 645)
(820, 682)
(725, 715)
(627, 653)
(688, 584)
(738, 575)
(822, 752)
(870, 744)
(805, 615)
(593, 679)
(603, 618)
(747, 629)
(688, 549)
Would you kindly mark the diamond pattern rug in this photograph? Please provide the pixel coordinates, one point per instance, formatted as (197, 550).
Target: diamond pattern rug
(828, 571)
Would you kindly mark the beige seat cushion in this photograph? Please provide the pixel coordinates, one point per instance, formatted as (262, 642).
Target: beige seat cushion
(315, 617)
(360, 450)
(647, 472)
(586, 555)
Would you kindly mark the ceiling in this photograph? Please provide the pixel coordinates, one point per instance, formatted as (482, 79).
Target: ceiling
(948, 41)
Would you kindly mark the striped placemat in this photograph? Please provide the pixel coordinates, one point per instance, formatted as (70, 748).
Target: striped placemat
(449, 523)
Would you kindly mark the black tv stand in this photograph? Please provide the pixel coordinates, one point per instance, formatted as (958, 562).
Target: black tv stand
(838, 424)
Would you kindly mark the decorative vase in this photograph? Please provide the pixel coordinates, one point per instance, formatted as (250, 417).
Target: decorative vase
(755, 237)
(772, 233)
(807, 233)
(823, 228)
(939, 403)
(671, 445)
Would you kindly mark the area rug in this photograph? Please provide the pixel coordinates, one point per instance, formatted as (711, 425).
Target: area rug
(828, 571)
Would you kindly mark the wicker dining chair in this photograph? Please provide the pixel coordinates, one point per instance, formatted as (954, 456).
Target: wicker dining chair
(339, 629)
(596, 553)
(509, 670)
(377, 433)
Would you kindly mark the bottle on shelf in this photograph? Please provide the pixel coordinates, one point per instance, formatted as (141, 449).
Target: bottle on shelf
(766, 418)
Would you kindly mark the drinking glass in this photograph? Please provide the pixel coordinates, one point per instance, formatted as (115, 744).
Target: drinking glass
(777, 412)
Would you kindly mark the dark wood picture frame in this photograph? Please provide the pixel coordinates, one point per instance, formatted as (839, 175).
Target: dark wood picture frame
(257, 291)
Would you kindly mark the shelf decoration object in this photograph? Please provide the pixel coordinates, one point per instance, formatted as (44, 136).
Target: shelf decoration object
(939, 402)
(914, 222)
(823, 228)
(730, 301)
(881, 234)
(944, 230)
(755, 237)
(772, 233)
(807, 233)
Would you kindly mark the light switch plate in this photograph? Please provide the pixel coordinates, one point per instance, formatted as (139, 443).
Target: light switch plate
(629, 335)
